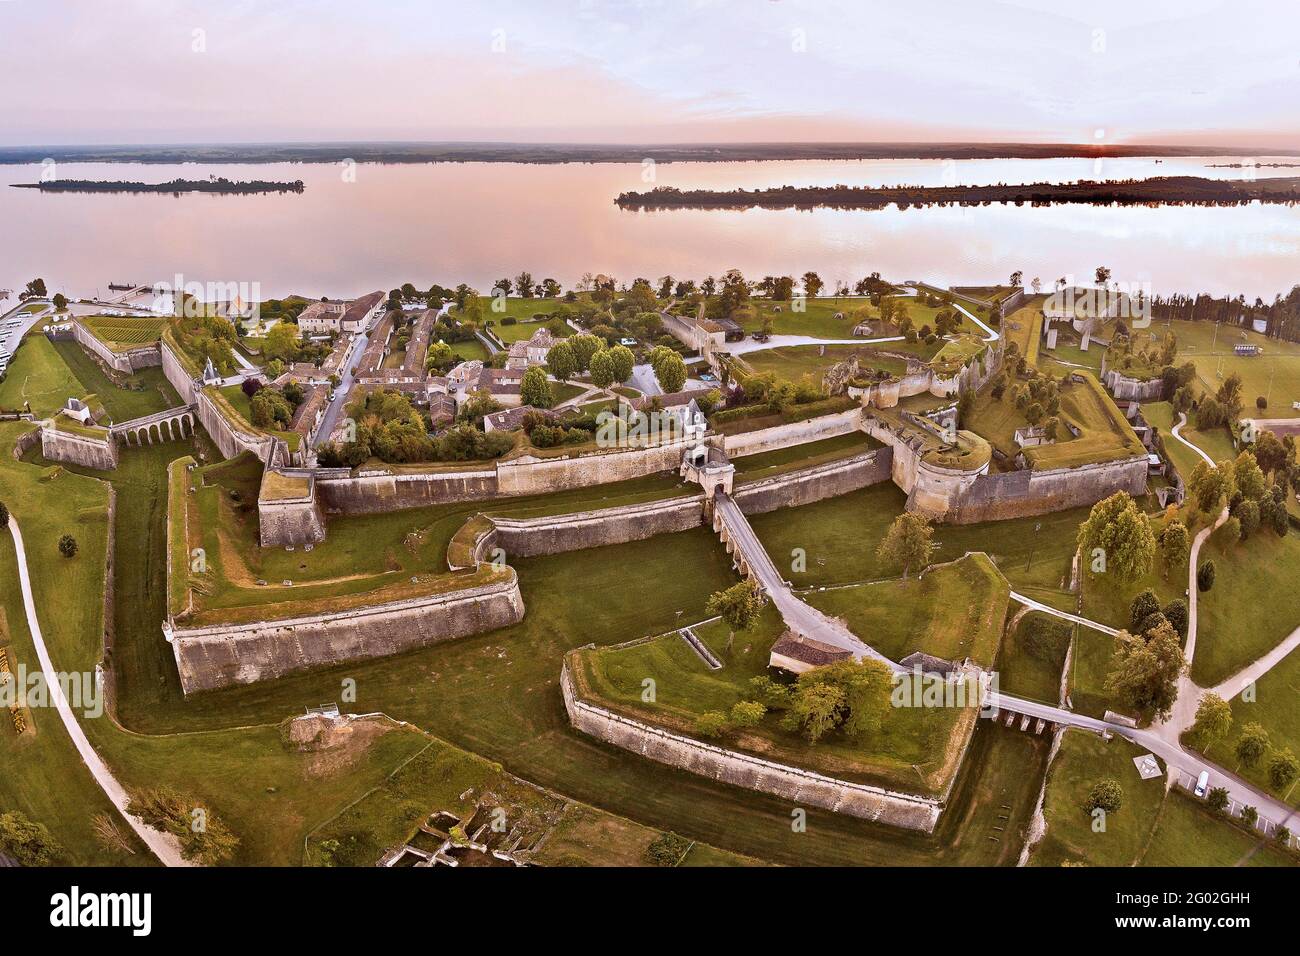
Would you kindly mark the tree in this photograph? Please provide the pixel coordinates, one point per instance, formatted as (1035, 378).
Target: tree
(746, 713)
(281, 342)
(907, 543)
(711, 723)
(1249, 477)
(1282, 768)
(1122, 532)
(1249, 816)
(1143, 605)
(585, 345)
(602, 369)
(1247, 515)
(738, 606)
(4, 515)
(1175, 545)
(27, 842)
(535, 390)
(667, 849)
(1102, 275)
(524, 284)
(671, 372)
(1205, 576)
(1106, 794)
(68, 546)
(1145, 672)
(561, 361)
(812, 284)
(1210, 486)
(35, 290)
(1217, 799)
(622, 360)
(1252, 745)
(439, 356)
(60, 301)
(169, 812)
(814, 709)
(1175, 613)
(1213, 721)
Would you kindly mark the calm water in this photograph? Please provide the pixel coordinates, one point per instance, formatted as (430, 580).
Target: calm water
(477, 222)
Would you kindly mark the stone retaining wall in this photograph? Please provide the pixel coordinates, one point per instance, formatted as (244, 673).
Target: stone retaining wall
(802, 787)
(373, 493)
(529, 537)
(126, 362)
(814, 484)
(221, 656)
(77, 449)
(795, 433)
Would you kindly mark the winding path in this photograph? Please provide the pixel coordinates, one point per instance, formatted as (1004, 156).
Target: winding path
(164, 846)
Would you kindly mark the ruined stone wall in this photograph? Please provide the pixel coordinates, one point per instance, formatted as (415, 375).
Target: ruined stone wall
(295, 523)
(213, 657)
(795, 433)
(371, 493)
(814, 484)
(1133, 389)
(25, 442)
(79, 449)
(804, 787)
(526, 538)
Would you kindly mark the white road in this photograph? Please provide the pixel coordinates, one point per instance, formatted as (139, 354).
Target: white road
(164, 846)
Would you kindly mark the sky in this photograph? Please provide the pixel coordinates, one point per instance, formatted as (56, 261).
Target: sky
(650, 71)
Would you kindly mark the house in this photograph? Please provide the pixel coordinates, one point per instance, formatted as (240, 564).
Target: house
(79, 411)
(532, 351)
(795, 653)
(513, 418)
(503, 384)
(682, 407)
(336, 316)
(308, 416)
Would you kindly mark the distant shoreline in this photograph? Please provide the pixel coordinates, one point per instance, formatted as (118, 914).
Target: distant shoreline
(1163, 190)
(174, 187)
(547, 153)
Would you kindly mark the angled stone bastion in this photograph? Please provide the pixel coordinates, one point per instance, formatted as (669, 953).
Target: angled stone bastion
(800, 786)
(219, 655)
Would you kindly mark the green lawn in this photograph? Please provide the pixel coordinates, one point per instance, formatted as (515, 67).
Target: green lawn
(1215, 360)
(1084, 759)
(912, 750)
(1191, 834)
(1027, 667)
(1247, 612)
(840, 536)
(470, 350)
(795, 361)
(38, 375)
(1274, 708)
(954, 611)
(145, 392)
(818, 316)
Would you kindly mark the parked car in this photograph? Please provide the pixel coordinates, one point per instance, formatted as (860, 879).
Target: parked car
(1202, 783)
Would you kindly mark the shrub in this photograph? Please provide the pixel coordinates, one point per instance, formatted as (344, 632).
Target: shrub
(1106, 794)
(1205, 576)
(1217, 799)
(667, 849)
(68, 546)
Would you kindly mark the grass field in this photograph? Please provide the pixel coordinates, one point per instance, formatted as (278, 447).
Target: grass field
(1190, 834)
(1247, 612)
(840, 536)
(1024, 327)
(38, 375)
(818, 316)
(1025, 673)
(1275, 373)
(1105, 435)
(796, 361)
(1084, 759)
(953, 611)
(1274, 709)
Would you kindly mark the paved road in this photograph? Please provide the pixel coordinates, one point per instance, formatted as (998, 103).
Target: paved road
(164, 846)
(1064, 615)
(1239, 681)
(800, 617)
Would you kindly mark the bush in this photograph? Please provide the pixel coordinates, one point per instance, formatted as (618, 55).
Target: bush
(1205, 576)
(667, 849)
(1107, 795)
(1261, 403)
(4, 514)
(68, 546)
(203, 837)
(1217, 799)
(1143, 605)
(28, 843)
